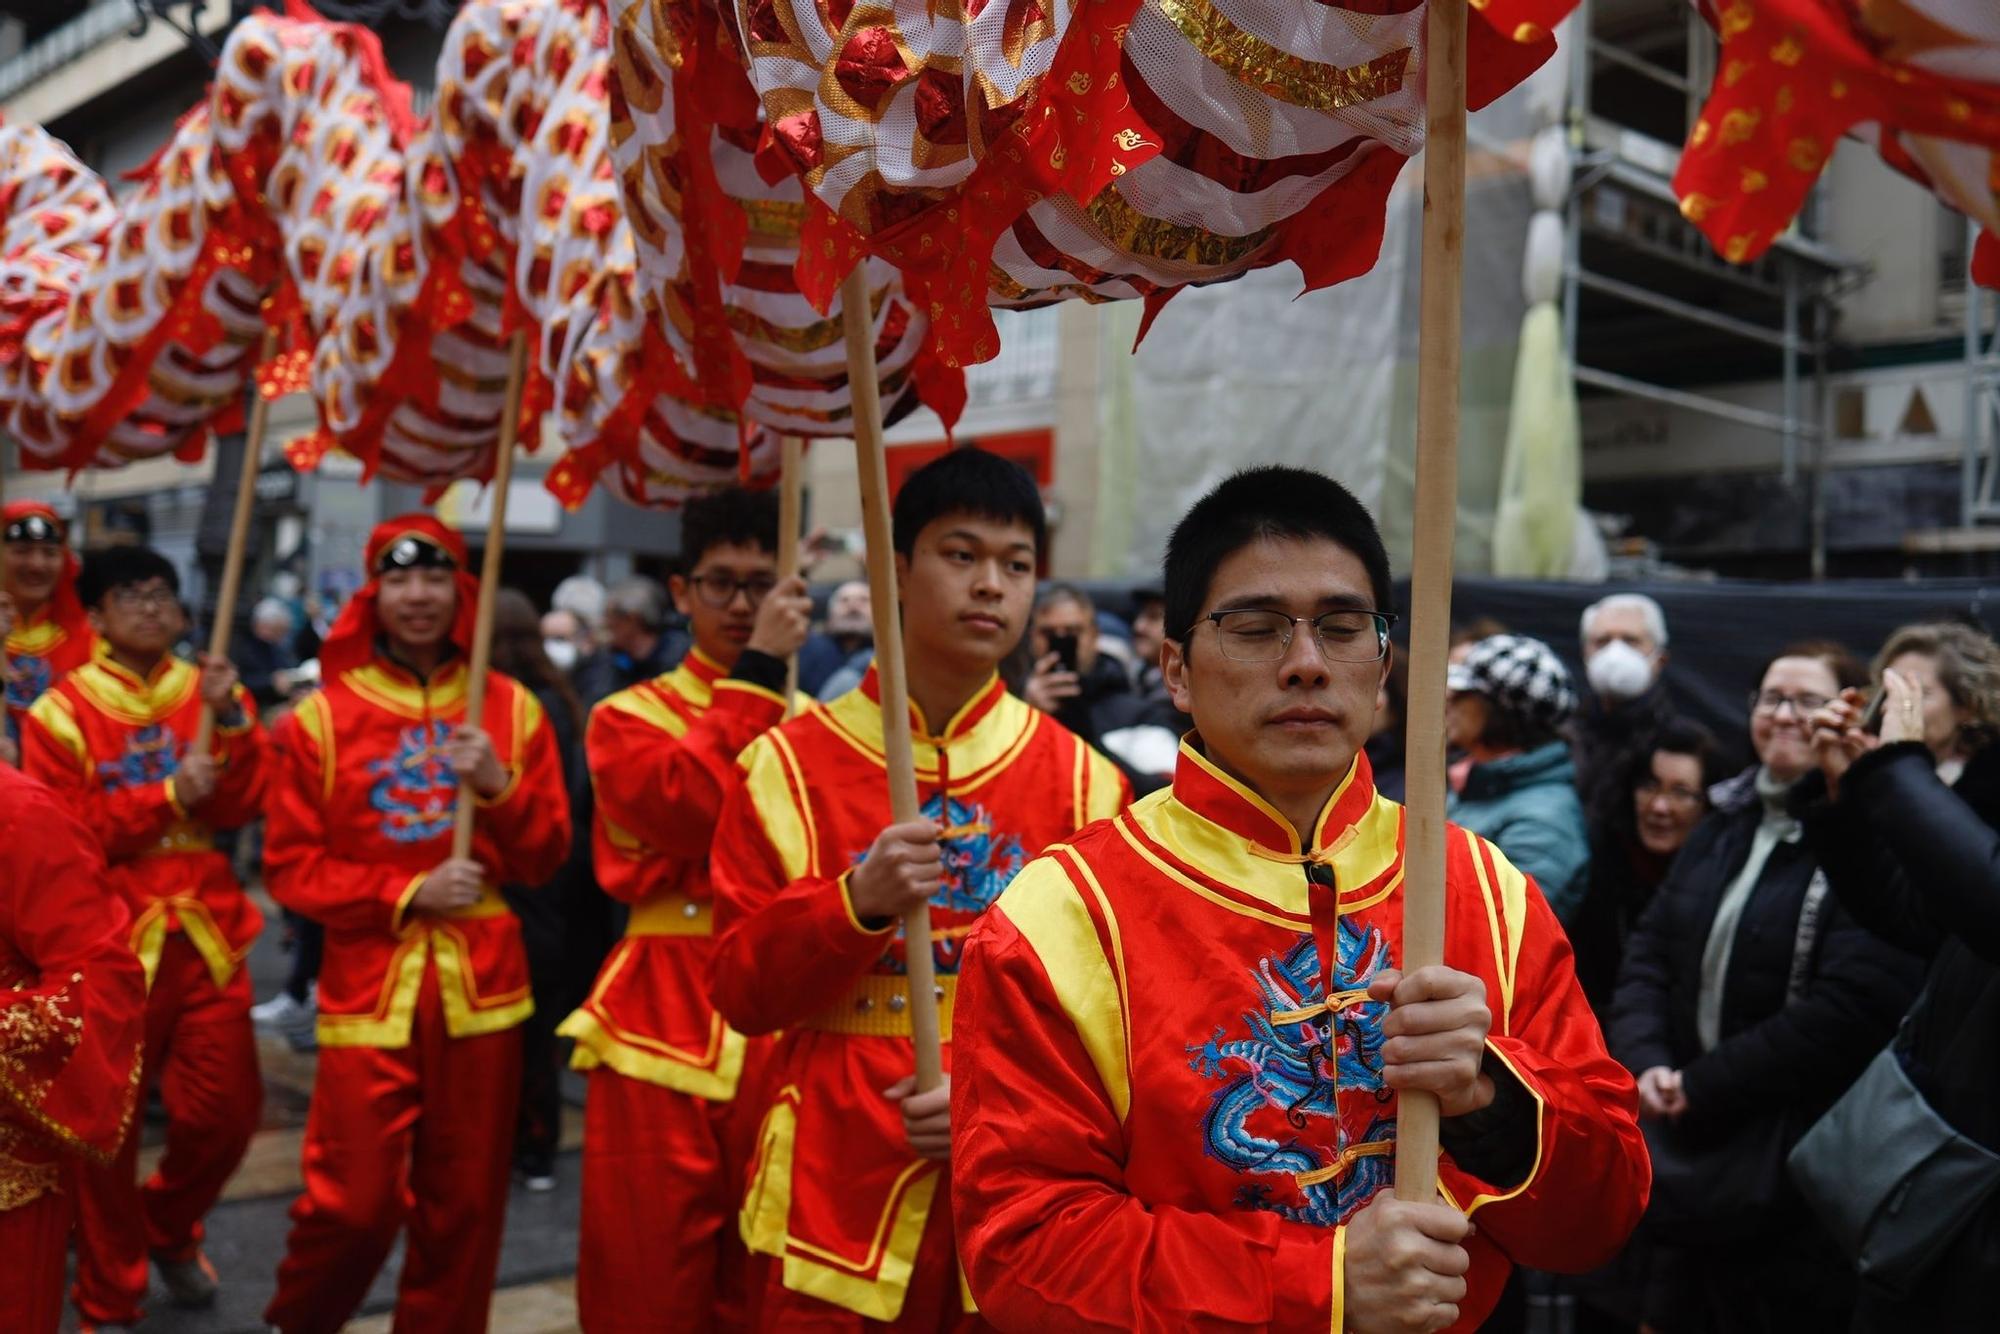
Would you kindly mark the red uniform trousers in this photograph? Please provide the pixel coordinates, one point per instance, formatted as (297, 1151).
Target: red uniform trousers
(935, 1300)
(201, 1049)
(422, 1135)
(34, 1238)
(662, 1180)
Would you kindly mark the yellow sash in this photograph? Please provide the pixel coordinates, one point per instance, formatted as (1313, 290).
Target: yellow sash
(878, 1006)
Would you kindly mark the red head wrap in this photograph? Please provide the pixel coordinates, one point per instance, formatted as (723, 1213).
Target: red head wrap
(351, 642)
(65, 608)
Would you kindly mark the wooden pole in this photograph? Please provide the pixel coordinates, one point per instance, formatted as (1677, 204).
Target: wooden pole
(791, 486)
(1440, 312)
(889, 667)
(6, 667)
(489, 580)
(239, 533)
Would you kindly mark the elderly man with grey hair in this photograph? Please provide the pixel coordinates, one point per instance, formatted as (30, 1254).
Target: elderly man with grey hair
(268, 660)
(640, 640)
(1624, 643)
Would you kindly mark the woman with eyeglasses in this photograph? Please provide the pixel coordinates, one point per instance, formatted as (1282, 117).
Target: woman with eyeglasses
(1748, 1001)
(1904, 817)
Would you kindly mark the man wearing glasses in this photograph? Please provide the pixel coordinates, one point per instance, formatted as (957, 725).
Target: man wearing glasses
(663, 1142)
(848, 1209)
(115, 740)
(1184, 1031)
(42, 622)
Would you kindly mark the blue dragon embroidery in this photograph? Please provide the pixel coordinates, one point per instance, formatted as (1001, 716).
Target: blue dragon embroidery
(31, 677)
(1299, 1069)
(978, 864)
(415, 789)
(152, 755)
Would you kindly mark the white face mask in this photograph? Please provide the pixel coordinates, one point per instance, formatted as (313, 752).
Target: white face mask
(1619, 672)
(562, 652)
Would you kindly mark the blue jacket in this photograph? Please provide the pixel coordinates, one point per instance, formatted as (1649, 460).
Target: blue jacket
(1527, 805)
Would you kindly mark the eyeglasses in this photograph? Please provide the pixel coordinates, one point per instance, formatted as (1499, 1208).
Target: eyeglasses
(133, 599)
(1771, 703)
(1266, 636)
(719, 590)
(1651, 789)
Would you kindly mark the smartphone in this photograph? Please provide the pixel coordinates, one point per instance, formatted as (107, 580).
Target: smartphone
(1871, 721)
(1064, 647)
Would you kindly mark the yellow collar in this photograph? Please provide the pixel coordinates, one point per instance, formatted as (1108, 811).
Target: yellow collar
(984, 737)
(115, 691)
(401, 691)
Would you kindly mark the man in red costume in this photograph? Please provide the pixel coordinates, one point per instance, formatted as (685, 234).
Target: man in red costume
(424, 982)
(114, 738)
(41, 620)
(848, 1196)
(664, 1145)
(72, 1011)
(1185, 1031)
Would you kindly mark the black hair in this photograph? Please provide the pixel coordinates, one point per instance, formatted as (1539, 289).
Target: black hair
(732, 517)
(1681, 736)
(123, 567)
(1849, 672)
(1258, 503)
(968, 481)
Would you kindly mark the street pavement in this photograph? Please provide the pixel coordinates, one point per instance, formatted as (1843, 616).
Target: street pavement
(246, 1230)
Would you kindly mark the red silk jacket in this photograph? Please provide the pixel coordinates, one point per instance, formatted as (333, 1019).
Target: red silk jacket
(662, 758)
(72, 997)
(110, 744)
(360, 812)
(1165, 1112)
(835, 1190)
(42, 651)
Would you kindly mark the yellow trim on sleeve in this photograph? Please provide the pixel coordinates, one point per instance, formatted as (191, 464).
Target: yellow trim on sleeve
(400, 914)
(315, 717)
(643, 703)
(57, 717)
(1044, 906)
(1541, 1145)
(173, 797)
(770, 769)
(846, 887)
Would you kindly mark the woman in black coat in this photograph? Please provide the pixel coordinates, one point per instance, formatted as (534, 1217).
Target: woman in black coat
(1918, 863)
(1748, 1001)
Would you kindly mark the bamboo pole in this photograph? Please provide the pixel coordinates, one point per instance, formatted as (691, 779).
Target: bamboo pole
(896, 741)
(1440, 312)
(791, 486)
(6, 666)
(489, 580)
(239, 533)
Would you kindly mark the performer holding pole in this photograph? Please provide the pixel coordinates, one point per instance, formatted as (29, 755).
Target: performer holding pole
(666, 1139)
(1185, 1034)
(815, 870)
(113, 740)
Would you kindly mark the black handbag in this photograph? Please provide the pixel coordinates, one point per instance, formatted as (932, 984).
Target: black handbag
(1731, 1187)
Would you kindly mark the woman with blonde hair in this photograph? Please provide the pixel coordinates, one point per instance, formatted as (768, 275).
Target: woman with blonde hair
(1908, 829)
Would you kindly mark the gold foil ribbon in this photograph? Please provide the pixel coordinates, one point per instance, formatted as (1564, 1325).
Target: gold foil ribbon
(1131, 231)
(1277, 73)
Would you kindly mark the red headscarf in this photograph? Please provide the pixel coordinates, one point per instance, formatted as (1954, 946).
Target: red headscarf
(351, 642)
(65, 607)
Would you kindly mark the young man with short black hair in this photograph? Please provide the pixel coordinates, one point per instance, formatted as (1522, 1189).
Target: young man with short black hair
(665, 1141)
(424, 984)
(848, 1197)
(115, 739)
(1185, 1030)
(43, 624)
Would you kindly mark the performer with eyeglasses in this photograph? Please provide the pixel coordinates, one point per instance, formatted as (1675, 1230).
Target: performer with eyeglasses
(42, 622)
(1183, 1033)
(666, 1138)
(424, 982)
(849, 1210)
(115, 739)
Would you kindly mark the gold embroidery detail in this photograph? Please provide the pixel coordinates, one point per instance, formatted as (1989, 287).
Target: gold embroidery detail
(1280, 75)
(1133, 232)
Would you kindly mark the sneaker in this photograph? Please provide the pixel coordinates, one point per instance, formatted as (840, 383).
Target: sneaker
(292, 1019)
(191, 1283)
(536, 1172)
